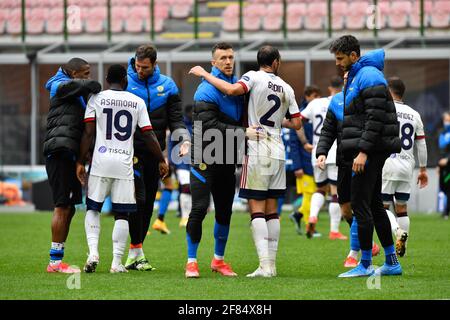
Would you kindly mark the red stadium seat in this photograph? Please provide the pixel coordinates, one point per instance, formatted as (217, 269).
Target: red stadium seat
(36, 18)
(274, 17)
(118, 16)
(230, 18)
(315, 18)
(294, 16)
(159, 25)
(356, 16)
(440, 17)
(339, 10)
(400, 11)
(181, 8)
(252, 16)
(96, 19)
(414, 18)
(4, 14)
(55, 21)
(14, 24)
(10, 4)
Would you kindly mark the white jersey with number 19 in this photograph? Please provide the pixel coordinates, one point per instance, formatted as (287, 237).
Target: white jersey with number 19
(270, 100)
(400, 166)
(116, 113)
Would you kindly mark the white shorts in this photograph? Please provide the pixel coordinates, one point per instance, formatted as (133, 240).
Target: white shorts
(183, 176)
(398, 189)
(262, 178)
(329, 175)
(122, 194)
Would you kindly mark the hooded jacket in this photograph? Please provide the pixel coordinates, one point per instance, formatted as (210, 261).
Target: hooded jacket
(162, 98)
(65, 117)
(370, 121)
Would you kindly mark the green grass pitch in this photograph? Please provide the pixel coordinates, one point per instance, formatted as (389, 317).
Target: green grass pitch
(307, 269)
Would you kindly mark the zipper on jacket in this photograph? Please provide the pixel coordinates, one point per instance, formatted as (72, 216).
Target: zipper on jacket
(148, 95)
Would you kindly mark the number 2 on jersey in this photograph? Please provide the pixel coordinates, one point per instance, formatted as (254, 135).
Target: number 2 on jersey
(316, 129)
(265, 118)
(124, 132)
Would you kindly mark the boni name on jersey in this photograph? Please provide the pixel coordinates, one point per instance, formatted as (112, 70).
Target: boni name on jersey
(119, 103)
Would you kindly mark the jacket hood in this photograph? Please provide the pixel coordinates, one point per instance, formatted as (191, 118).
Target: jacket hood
(61, 75)
(374, 58)
(133, 74)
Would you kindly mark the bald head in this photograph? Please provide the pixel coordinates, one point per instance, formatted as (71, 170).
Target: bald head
(78, 68)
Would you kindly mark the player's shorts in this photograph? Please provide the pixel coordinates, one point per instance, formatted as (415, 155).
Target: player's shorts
(329, 175)
(183, 176)
(262, 178)
(306, 184)
(62, 177)
(122, 194)
(344, 184)
(400, 190)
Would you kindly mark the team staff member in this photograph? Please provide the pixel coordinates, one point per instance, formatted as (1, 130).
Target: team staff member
(370, 133)
(162, 98)
(69, 89)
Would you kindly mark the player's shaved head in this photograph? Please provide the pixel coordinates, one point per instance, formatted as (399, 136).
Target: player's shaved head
(336, 82)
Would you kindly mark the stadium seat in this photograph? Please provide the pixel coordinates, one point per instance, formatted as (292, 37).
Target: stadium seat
(384, 9)
(36, 18)
(75, 19)
(440, 17)
(414, 18)
(294, 16)
(96, 19)
(356, 17)
(14, 23)
(339, 10)
(273, 20)
(315, 18)
(4, 14)
(180, 9)
(400, 11)
(135, 21)
(55, 21)
(252, 16)
(118, 16)
(230, 18)
(10, 4)
(159, 25)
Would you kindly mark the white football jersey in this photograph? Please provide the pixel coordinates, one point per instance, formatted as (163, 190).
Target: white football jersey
(116, 113)
(400, 166)
(270, 100)
(315, 112)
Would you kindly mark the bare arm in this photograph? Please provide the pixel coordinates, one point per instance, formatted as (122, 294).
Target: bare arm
(229, 89)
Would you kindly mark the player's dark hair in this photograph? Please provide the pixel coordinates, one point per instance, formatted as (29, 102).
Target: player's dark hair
(336, 82)
(146, 51)
(221, 46)
(267, 55)
(346, 45)
(75, 64)
(397, 86)
(309, 90)
(116, 73)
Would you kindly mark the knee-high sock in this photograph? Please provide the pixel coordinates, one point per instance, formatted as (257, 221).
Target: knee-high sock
(185, 204)
(393, 220)
(317, 201)
(403, 221)
(354, 240)
(221, 237)
(164, 202)
(119, 238)
(92, 228)
(260, 235)
(273, 232)
(192, 248)
(335, 216)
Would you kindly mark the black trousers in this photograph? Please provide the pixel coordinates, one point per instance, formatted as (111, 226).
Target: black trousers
(367, 204)
(218, 180)
(146, 181)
